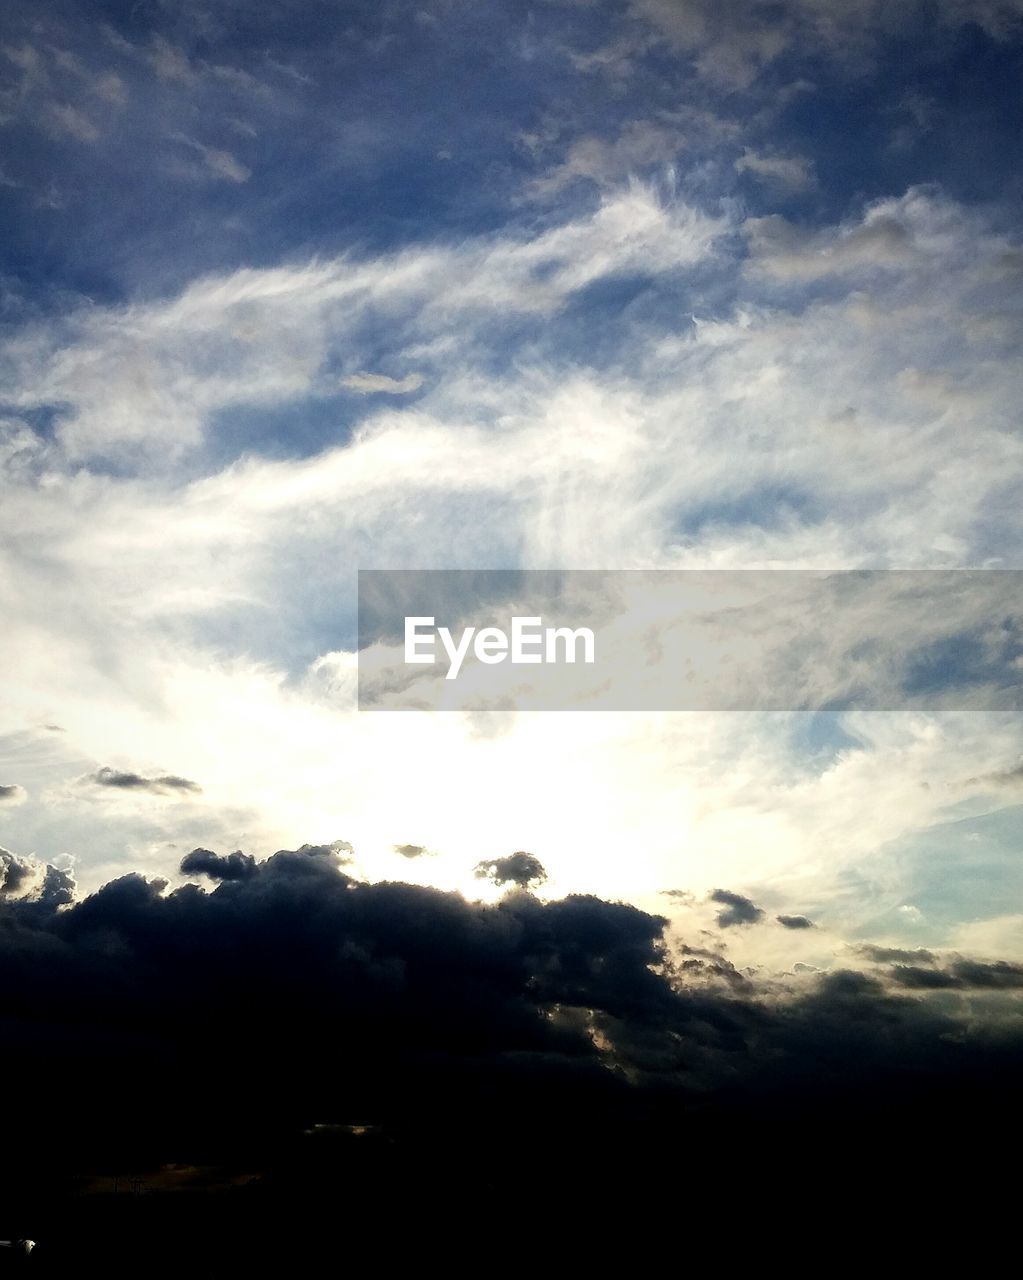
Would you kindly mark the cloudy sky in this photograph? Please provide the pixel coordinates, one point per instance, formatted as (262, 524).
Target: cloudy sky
(295, 289)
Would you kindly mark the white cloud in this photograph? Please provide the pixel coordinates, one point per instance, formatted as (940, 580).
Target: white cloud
(110, 88)
(150, 378)
(368, 383)
(733, 41)
(169, 62)
(789, 173)
(49, 87)
(69, 120)
(201, 608)
(221, 164)
(640, 145)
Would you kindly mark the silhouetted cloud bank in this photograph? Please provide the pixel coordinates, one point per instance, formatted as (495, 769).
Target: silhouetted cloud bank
(291, 1012)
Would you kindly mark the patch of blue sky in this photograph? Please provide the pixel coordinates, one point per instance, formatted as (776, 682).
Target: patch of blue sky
(764, 507)
(395, 124)
(954, 873)
(299, 428)
(603, 324)
(987, 660)
(388, 133)
(820, 738)
(938, 110)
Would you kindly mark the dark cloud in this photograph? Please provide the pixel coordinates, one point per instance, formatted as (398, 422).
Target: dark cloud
(923, 970)
(795, 922)
(336, 852)
(316, 1040)
(894, 955)
(703, 963)
(523, 869)
(411, 850)
(11, 793)
(351, 998)
(997, 976)
(231, 866)
(961, 974)
(907, 975)
(737, 910)
(107, 777)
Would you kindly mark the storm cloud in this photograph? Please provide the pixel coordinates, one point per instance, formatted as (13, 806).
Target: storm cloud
(278, 1018)
(961, 974)
(291, 961)
(894, 955)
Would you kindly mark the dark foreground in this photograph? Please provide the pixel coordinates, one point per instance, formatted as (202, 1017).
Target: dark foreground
(299, 1072)
(823, 1187)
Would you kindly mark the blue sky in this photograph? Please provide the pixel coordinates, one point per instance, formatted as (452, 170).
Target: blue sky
(298, 129)
(297, 288)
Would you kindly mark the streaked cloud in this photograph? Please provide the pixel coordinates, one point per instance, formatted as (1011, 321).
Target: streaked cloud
(69, 120)
(219, 163)
(369, 383)
(791, 173)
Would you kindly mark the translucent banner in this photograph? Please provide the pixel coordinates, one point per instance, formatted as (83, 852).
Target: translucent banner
(690, 640)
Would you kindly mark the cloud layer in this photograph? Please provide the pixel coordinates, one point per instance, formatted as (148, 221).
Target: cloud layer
(606, 285)
(295, 999)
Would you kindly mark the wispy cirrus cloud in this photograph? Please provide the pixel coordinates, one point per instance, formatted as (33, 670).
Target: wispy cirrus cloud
(630, 355)
(217, 162)
(370, 383)
(120, 372)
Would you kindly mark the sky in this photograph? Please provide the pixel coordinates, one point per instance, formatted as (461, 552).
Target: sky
(291, 290)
